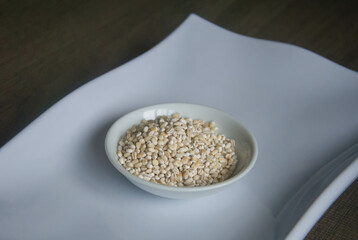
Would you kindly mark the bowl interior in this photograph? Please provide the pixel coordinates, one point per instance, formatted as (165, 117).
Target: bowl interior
(245, 148)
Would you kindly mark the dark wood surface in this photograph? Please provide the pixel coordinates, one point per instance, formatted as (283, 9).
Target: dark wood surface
(49, 48)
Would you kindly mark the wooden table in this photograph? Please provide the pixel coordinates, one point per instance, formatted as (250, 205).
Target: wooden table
(49, 48)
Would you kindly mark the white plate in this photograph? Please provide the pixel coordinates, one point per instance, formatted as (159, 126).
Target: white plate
(56, 182)
(245, 146)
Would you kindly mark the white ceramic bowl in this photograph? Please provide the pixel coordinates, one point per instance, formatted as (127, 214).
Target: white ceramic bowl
(245, 148)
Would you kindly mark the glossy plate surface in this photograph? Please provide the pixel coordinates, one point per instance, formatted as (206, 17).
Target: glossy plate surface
(57, 183)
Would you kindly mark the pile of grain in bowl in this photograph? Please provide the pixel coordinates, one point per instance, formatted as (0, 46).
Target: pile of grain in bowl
(177, 151)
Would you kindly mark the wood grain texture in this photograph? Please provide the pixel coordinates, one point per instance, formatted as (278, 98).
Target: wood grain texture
(49, 48)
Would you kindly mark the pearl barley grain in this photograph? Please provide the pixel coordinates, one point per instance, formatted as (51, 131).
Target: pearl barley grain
(177, 151)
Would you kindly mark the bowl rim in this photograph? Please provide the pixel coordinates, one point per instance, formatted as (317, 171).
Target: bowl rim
(158, 186)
